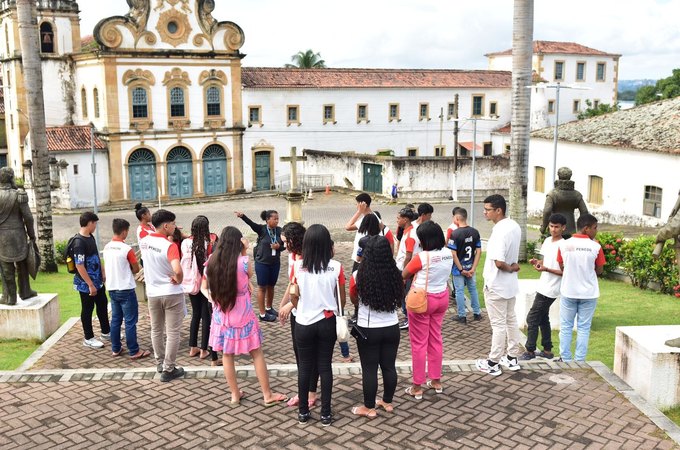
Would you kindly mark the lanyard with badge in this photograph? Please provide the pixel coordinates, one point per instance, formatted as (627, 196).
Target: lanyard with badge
(273, 239)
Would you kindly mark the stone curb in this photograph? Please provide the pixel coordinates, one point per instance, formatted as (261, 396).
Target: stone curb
(655, 415)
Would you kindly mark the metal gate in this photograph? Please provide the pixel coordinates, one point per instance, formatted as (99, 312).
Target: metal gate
(372, 177)
(180, 173)
(214, 170)
(142, 175)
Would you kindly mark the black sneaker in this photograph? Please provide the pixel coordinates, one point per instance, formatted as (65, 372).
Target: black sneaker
(403, 325)
(326, 420)
(159, 368)
(268, 317)
(545, 354)
(169, 376)
(273, 312)
(304, 418)
(478, 317)
(462, 320)
(527, 356)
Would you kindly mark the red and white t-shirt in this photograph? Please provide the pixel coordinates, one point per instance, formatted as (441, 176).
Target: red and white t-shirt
(144, 230)
(367, 317)
(401, 251)
(118, 256)
(158, 253)
(412, 241)
(453, 227)
(433, 266)
(317, 291)
(580, 255)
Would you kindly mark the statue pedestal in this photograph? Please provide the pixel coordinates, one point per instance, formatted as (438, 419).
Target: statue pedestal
(34, 318)
(294, 207)
(524, 301)
(646, 364)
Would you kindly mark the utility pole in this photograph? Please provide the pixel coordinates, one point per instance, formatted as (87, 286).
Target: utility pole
(454, 188)
(441, 129)
(32, 69)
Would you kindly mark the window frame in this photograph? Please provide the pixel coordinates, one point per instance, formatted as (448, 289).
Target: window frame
(594, 197)
(95, 100)
(539, 179)
(411, 149)
(185, 107)
(365, 118)
(331, 107)
(652, 196)
(144, 79)
(213, 87)
(422, 116)
(441, 149)
(132, 103)
(482, 98)
(596, 103)
(450, 110)
(556, 62)
(390, 117)
(576, 106)
(484, 147)
(585, 68)
(604, 72)
(83, 103)
(493, 109)
(551, 106)
(40, 37)
(257, 108)
(290, 108)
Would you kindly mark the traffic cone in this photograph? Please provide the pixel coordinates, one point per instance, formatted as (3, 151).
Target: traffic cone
(328, 189)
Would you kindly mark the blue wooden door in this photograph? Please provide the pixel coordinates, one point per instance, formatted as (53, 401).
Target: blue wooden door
(214, 170)
(262, 171)
(142, 175)
(180, 173)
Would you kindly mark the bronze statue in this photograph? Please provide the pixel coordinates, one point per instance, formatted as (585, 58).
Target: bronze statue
(16, 222)
(670, 231)
(564, 199)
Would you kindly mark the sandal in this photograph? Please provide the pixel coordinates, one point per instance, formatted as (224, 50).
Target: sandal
(202, 355)
(294, 401)
(277, 398)
(409, 391)
(141, 354)
(386, 406)
(117, 353)
(438, 390)
(194, 353)
(313, 403)
(237, 402)
(370, 413)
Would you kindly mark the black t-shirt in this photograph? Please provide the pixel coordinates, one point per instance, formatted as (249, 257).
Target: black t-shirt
(85, 252)
(464, 241)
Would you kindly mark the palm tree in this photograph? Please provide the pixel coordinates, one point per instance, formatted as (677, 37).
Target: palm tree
(522, 49)
(307, 60)
(30, 56)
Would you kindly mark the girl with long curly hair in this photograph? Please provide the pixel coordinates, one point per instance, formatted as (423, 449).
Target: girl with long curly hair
(235, 329)
(377, 289)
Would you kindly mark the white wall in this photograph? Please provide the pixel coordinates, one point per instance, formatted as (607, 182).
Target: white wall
(625, 174)
(81, 186)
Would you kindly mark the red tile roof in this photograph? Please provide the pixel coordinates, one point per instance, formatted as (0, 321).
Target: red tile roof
(572, 48)
(273, 77)
(71, 139)
(467, 145)
(505, 129)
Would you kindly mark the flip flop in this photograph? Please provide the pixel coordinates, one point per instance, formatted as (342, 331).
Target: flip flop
(370, 414)
(409, 391)
(294, 401)
(313, 403)
(278, 399)
(141, 354)
(386, 406)
(436, 390)
(117, 353)
(237, 402)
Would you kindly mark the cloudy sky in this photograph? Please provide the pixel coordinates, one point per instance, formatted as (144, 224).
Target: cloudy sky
(438, 34)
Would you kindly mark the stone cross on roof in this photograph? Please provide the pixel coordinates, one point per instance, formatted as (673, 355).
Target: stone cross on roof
(293, 159)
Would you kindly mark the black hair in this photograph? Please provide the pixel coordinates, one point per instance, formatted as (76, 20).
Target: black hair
(363, 197)
(162, 216)
(119, 226)
(140, 210)
(87, 217)
(558, 219)
(410, 206)
(177, 238)
(317, 249)
(497, 201)
(265, 215)
(379, 282)
(431, 236)
(455, 210)
(294, 233)
(462, 212)
(223, 269)
(377, 213)
(370, 225)
(409, 213)
(585, 220)
(200, 235)
(425, 208)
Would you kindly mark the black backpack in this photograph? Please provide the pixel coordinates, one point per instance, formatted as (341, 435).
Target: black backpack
(68, 254)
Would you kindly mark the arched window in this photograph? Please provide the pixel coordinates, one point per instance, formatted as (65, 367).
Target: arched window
(177, 102)
(214, 106)
(140, 103)
(83, 101)
(46, 38)
(95, 98)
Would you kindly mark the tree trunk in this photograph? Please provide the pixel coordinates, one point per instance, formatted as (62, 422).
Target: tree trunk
(32, 70)
(522, 49)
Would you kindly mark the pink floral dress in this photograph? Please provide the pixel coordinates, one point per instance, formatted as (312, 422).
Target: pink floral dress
(237, 331)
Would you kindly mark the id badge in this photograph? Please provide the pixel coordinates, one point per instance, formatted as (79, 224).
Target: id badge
(273, 252)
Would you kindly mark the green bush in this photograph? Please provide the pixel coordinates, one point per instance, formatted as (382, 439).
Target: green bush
(59, 250)
(642, 268)
(611, 246)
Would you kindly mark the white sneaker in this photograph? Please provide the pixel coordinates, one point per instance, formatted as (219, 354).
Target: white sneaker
(483, 366)
(510, 364)
(93, 343)
(106, 336)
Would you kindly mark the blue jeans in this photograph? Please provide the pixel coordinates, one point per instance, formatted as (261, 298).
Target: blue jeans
(569, 309)
(124, 307)
(459, 284)
(344, 349)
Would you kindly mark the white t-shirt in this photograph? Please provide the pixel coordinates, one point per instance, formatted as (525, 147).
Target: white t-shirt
(369, 318)
(435, 272)
(117, 259)
(580, 255)
(157, 253)
(317, 292)
(549, 283)
(358, 236)
(503, 245)
(401, 251)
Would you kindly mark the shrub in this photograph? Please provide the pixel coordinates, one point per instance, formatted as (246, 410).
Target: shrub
(642, 268)
(532, 248)
(611, 246)
(59, 250)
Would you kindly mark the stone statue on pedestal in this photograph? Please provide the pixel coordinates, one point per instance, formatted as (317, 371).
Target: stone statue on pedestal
(564, 199)
(16, 223)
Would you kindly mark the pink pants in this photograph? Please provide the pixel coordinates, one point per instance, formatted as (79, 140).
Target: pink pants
(425, 331)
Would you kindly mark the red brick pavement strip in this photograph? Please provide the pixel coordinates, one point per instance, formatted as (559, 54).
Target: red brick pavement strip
(524, 409)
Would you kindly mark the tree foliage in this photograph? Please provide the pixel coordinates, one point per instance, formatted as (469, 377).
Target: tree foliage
(664, 88)
(602, 108)
(307, 60)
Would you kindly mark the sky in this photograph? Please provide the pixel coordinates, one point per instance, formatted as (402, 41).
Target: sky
(431, 34)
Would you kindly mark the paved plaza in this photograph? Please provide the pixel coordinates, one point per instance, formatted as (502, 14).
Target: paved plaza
(71, 397)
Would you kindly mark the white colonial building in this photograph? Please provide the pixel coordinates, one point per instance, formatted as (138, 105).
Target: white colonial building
(583, 73)
(626, 164)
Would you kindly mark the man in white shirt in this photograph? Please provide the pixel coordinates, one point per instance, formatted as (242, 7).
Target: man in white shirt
(163, 277)
(501, 285)
(547, 291)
